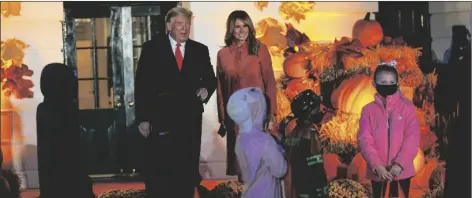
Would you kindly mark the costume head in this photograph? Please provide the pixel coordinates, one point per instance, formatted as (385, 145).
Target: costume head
(248, 109)
(306, 107)
(58, 84)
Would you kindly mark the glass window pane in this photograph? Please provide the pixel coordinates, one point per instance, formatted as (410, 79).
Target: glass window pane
(136, 54)
(86, 94)
(102, 31)
(104, 63)
(84, 63)
(83, 32)
(140, 30)
(106, 99)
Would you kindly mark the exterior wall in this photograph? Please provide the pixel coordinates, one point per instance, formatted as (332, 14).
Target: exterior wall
(444, 15)
(39, 26)
(329, 20)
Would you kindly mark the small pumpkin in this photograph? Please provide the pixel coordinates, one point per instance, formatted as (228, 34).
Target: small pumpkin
(296, 86)
(367, 31)
(295, 65)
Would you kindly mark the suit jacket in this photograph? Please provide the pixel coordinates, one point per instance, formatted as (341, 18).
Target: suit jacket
(163, 94)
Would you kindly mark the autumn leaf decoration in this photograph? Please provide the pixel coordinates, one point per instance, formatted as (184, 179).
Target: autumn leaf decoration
(260, 5)
(295, 10)
(10, 9)
(13, 70)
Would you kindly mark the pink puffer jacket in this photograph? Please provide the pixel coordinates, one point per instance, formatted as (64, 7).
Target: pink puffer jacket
(381, 146)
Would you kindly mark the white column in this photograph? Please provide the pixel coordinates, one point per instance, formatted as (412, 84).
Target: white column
(39, 26)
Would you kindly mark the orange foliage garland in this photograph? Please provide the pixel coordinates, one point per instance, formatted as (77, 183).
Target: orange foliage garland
(406, 57)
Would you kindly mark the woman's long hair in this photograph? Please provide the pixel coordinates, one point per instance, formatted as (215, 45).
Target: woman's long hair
(253, 43)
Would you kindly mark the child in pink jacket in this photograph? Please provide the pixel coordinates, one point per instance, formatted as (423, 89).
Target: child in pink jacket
(389, 135)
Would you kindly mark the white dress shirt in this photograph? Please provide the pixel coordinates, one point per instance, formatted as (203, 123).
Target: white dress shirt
(173, 44)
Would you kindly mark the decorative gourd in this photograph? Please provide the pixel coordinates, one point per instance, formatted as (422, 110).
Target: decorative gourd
(367, 31)
(295, 65)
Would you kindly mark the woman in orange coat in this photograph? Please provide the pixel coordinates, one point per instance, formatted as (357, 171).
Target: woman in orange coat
(243, 62)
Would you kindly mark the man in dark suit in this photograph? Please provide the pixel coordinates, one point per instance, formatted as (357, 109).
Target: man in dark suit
(174, 79)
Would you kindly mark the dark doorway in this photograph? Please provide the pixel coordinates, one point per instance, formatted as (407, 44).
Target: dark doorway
(102, 41)
(410, 20)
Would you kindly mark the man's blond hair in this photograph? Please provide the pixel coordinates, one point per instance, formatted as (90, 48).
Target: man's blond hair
(176, 11)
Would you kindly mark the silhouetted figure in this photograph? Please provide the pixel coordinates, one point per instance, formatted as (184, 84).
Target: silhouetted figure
(60, 157)
(9, 184)
(459, 135)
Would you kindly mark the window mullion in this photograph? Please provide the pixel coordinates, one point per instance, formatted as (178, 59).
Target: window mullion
(95, 68)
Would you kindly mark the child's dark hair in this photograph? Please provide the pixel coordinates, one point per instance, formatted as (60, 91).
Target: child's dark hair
(385, 68)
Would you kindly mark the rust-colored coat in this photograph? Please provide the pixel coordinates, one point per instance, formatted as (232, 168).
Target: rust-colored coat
(236, 69)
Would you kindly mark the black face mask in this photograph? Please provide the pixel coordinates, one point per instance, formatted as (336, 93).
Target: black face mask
(386, 90)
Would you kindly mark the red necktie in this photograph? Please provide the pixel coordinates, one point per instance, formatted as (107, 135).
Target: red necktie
(178, 56)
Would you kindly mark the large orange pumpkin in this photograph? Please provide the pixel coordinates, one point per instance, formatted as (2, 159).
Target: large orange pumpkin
(367, 31)
(357, 91)
(353, 94)
(295, 65)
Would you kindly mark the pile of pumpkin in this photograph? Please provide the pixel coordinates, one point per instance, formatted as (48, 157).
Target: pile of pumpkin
(347, 66)
(314, 64)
